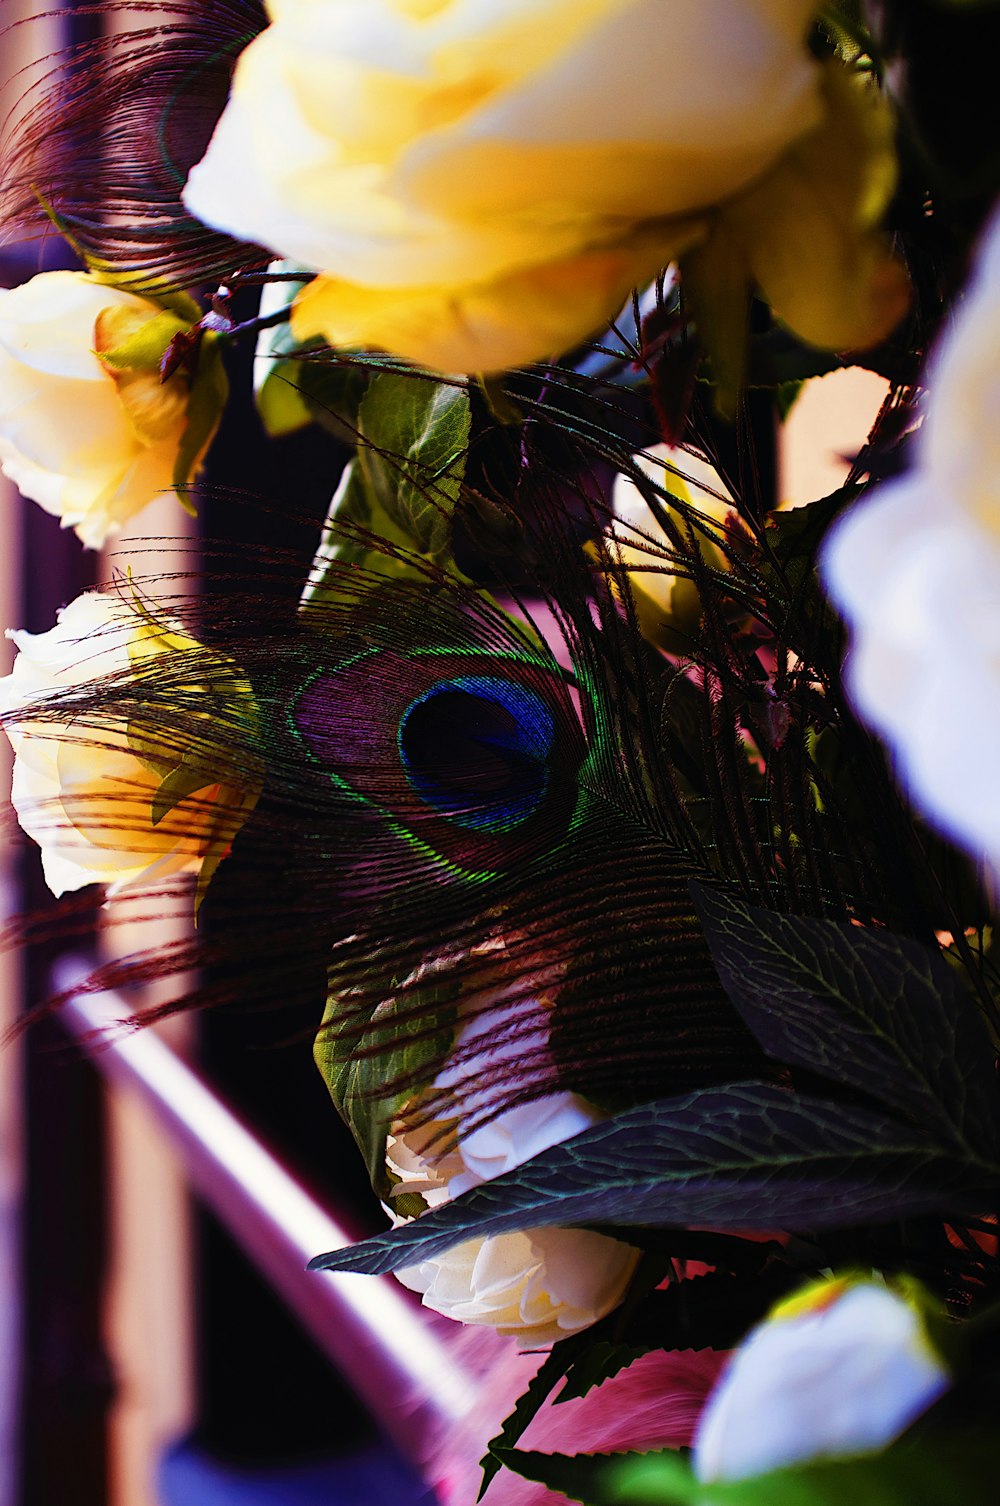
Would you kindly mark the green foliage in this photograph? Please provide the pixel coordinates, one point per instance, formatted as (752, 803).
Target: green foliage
(751, 1155)
(145, 348)
(872, 1011)
(413, 439)
(924, 1472)
(704, 1312)
(402, 486)
(372, 1073)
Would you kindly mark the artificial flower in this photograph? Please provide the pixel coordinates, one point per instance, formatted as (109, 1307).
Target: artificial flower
(89, 437)
(481, 184)
(535, 1284)
(121, 798)
(841, 1368)
(915, 568)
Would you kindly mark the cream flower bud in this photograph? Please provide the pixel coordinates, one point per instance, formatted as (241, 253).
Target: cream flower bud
(841, 1369)
(86, 783)
(668, 605)
(481, 184)
(915, 569)
(536, 1286)
(91, 445)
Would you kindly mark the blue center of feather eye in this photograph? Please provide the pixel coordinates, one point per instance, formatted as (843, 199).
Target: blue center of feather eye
(476, 748)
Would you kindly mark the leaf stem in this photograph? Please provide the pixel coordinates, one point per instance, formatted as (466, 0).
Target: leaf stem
(259, 322)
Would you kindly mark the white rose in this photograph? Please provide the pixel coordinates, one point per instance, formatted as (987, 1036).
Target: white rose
(841, 1369)
(92, 446)
(537, 1284)
(81, 790)
(915, 569)
(482, 181)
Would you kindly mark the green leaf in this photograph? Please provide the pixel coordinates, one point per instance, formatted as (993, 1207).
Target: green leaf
(414, 435)
(585, 1359)
(354, 506)
(751, 1155)
(144, 349)
(280, 402)
(874, 1011)
(333, 390)
(934, 1470)
(401, 486)
(187, 778)
(207, 398)
(361, 1066)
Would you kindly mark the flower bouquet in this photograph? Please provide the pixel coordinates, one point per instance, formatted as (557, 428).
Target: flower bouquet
(648, 937)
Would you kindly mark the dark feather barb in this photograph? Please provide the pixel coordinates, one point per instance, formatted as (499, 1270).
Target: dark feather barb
(103, 143)
(440, 782)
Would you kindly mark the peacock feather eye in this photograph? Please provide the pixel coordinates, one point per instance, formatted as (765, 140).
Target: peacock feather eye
(477, 748)
(471, 756)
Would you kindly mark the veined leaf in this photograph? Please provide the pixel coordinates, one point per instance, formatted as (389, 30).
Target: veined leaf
(874, 1011)
(414, 435)
(401, 486)
(751, 1155)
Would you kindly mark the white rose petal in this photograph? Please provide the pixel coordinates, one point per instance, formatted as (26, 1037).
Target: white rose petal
(915, 569)
(538, 1284)
(840, 1379)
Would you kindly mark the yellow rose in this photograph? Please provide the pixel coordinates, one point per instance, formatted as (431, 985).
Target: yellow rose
(91, 442)
(480, 184)
(108, 798)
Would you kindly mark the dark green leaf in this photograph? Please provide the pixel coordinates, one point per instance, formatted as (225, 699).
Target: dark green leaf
(529, 1403)
(598, 1363)
(796, 533)
(587, 1358)
(332, 392)
(868, 1009)
(750, 1155)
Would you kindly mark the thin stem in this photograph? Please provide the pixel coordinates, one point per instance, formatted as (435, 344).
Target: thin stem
(261, 321)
